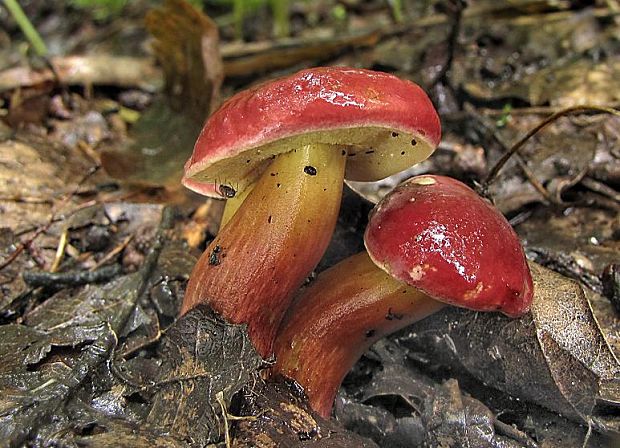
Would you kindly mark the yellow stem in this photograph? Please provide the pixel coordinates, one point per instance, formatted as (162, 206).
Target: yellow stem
(251, 270)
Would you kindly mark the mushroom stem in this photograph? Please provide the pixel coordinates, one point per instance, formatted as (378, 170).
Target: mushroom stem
(250, 271)
(233, 204)
(336, 319)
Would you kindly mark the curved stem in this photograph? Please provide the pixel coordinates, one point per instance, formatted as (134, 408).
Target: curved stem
(250, 272)
(335, 320)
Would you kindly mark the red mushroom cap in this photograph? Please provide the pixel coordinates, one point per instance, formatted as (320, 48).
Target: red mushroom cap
(438, 235)
(386, 125)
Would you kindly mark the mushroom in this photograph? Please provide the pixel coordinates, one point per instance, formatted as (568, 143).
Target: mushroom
(429, 242)
(291, 138)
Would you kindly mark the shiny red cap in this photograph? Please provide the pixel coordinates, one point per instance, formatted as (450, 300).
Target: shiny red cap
(386, 124)
(438, 235)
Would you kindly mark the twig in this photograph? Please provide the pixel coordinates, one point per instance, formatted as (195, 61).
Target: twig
(600, 188)
(514, 433)
(23, 245)
(60, 250)
(586, 439)
(520, 218)
(82, 206)
(532, 180)
(75, 278)
(26, 199)
(533, 110)
(543, 124)
(482, 189)
(219, 396)
(113, 252)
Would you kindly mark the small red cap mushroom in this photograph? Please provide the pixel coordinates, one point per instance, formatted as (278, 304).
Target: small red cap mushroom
(385, 123)
(437, 234)
(436, 241)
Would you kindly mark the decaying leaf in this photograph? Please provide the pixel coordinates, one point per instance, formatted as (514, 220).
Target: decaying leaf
(111, 303)
(12, 285)
(159, 144)
(403, 407)
(63, 345)
(37, 181)
(556, 356)
(578, 243)
(549, 164)
(204, 358)
(387, 398)
(36, 382)
(275, 415)
(534, 59)
(576, 82)
(32, 399)
(34, 175)
(118, 433)
(187, 47)
(169, 278)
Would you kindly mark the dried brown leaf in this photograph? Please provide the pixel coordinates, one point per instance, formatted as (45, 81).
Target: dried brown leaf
(556, 356)
(203, 358)
(576, 82)
(278, 417)
(187, 46)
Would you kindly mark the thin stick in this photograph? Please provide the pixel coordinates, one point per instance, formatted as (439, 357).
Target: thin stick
(118, 249)
(60, 250)
(534, 110)
(219, 396)
(535, 183)
(543, 124)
